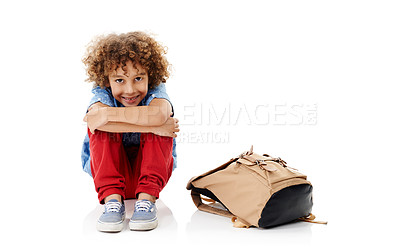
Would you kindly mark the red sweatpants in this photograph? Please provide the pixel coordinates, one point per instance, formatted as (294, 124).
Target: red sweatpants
(132, 170)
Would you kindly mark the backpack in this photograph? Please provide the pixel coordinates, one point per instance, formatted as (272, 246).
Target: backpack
(255, 190)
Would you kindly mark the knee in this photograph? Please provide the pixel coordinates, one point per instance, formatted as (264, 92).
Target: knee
(150, 137)
(101, 136)
(163, 142)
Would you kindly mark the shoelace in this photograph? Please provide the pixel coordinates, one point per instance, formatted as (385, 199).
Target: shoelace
(113, 207)
(142, 206)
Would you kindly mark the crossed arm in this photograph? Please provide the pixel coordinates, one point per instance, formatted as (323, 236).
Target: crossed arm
(155, 118)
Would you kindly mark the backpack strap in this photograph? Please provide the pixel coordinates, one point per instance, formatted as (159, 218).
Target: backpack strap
(311, 218)
(207, 208)
(197, 199)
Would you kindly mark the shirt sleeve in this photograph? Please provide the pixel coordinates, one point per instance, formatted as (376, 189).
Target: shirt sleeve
(157, 92)
(102, 95)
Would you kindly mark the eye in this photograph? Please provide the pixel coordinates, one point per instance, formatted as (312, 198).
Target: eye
(119, 80)
(138, 78)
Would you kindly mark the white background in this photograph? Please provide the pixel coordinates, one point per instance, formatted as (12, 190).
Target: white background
(263, 63)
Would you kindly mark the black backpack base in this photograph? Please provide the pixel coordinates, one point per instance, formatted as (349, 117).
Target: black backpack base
(287, 205)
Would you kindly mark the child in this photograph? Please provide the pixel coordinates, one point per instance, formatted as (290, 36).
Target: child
(129, 149)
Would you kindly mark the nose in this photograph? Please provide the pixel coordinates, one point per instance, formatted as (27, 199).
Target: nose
(130, 87)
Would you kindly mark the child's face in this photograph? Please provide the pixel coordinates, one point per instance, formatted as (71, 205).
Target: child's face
(129, 87)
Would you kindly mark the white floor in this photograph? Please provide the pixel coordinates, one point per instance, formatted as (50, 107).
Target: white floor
(181, 223)
(206, 229)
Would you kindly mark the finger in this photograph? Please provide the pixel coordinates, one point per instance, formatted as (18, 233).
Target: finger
(176, 120)
(175, 135)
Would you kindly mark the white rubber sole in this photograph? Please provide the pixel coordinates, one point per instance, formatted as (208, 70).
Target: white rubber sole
(143, 225)
(110, 227)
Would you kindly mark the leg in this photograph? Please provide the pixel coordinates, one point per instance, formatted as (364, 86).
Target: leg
(154, 163)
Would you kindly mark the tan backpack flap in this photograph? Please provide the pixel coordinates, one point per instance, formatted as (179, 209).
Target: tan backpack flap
(189, 185)
(274, 170)
(255, 159)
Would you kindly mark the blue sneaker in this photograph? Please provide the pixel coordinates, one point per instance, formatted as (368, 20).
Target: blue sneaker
(112, 219)
(144, 217)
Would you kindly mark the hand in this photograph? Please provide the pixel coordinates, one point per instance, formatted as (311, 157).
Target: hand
(169, 128)
(96, 117)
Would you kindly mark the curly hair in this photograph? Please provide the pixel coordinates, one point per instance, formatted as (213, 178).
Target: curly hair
(106, 53)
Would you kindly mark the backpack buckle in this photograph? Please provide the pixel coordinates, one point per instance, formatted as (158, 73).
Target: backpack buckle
(282, 162)
(267, 167)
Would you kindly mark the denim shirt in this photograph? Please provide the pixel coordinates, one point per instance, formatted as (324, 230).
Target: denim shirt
(129, 139)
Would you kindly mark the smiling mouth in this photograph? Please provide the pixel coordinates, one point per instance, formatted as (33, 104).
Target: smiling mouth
(131, 99)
